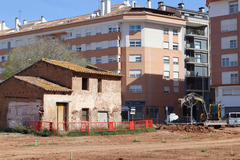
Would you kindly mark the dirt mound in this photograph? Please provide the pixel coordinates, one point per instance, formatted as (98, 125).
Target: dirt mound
(187, 128)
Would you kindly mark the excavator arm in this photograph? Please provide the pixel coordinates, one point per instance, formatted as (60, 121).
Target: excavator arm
(192, 98)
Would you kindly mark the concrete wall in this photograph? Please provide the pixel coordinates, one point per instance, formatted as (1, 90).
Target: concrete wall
(108, 100)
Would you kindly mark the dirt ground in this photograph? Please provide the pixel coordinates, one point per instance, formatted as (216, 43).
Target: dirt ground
(121, 147)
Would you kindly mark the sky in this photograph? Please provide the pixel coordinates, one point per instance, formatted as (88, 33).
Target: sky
(32, 10)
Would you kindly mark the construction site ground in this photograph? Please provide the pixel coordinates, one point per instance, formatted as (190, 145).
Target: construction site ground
(121, 147)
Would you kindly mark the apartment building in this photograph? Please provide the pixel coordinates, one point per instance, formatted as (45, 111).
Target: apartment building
(224, 36)
(196, 53)
(144, 44)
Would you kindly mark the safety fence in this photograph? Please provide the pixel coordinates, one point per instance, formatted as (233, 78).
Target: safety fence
(88, 127)
(40, 125)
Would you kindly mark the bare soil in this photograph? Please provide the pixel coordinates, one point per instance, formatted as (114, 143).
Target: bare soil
(121, 147)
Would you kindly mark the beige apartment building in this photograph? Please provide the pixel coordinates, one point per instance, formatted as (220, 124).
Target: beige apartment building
(144, 44)
(225, 53)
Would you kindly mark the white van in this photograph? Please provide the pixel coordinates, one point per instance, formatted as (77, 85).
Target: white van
(234, 118)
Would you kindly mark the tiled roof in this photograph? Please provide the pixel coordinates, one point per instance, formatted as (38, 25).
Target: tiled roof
(74, 67)
(41, 83)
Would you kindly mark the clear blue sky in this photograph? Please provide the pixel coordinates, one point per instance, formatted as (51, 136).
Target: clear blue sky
(57, 9)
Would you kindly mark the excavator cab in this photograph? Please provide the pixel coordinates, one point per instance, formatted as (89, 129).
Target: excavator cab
(215, 111)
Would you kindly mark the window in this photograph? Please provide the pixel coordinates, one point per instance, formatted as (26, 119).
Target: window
(135, 88)
(79, 48)
(175, 60)
(166, 60)
(113, 29)
(88, 32)
(4, 58)
(113, 43)
(98, 31)
(197, 44)
(98, 45)
(99, 85)
(165, 30)
(166, 74)
(112, 59)
(229, 42)
(234, 78)
(175, 32)
(135, 43)
(135, 58)
(233, 43)
(3, 45)
(84, 83)
(89, 60)
(69, 34)
(229, 60)
(88, 47)
(166, 89)
(197, 57)
(98, 60)
(230, 77)
(233, 8)
(135, 28)
(166, 45)
(175, 46)
(85, 114)
(78, 34)
(63, 37)
(176, 89)
(228, 25)
(135, 73)
(175, 75)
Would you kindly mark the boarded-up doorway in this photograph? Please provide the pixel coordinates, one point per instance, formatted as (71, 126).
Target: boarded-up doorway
(102, 116)
(62, 115)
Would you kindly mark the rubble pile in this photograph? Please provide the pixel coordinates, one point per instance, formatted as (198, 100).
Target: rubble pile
(183, 127)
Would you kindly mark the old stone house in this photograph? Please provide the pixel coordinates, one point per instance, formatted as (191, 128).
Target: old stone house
(60, 91)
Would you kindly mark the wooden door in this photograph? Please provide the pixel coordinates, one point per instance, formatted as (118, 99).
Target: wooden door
(62, 115)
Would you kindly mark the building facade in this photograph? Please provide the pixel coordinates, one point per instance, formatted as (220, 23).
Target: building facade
(195, 53)
(63, 92)
(144, 44)
(224, 34)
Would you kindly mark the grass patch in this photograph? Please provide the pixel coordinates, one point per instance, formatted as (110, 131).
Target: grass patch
(77, 134)
(135, 140)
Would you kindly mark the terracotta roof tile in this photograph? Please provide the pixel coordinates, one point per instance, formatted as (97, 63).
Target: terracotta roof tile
(74, 67)
(44, 84)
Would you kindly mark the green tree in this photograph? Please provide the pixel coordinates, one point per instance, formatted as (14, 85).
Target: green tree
(23, 56)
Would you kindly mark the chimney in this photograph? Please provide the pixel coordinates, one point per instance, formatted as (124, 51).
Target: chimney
(134, 3)
(17, 23)
(202, 9)
(127, 3)
(181, 5)
(43, 19)
(102, 8)
(161, 6)
(3, 25)
(24, 21)
(149, 4)
(107, 6)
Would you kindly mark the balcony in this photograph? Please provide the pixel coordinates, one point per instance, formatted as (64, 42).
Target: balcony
(193, 46)
(195, 32)
(196, 74)
(190, 60)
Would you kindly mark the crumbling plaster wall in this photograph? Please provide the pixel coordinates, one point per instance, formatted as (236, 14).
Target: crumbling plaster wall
(108, 100)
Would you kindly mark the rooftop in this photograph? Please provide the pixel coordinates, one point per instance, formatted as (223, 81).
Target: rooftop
(41, 83)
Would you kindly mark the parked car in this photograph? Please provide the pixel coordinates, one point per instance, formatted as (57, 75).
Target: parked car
(184, 119)
(233, 118)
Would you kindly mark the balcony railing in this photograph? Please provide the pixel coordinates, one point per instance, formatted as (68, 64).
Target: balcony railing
(197, 32)
(195, 74)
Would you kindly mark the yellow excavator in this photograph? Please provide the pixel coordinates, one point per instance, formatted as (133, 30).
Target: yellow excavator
(211, 118)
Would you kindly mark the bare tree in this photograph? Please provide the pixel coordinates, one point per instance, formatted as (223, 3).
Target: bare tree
(23, 56)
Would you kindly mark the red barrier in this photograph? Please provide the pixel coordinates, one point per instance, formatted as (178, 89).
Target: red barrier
(88, 127)
(40, 125)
